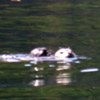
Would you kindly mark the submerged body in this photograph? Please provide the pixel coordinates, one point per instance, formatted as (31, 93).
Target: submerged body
(41, 54)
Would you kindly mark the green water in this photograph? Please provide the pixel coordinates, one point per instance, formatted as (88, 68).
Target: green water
(62, 23)
(54, 24)
(19, 82)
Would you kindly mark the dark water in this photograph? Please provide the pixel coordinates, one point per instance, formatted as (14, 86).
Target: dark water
(51, 23)
(53, 80)
(48, 73)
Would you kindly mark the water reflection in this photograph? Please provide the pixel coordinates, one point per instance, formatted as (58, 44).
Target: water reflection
(59, 77)
(37, 82)
(63, 67)
(47, 73)
(63, 78)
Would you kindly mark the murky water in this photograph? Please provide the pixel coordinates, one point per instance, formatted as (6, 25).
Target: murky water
(14, 72)
(52, 23)
(27, 77)
(24, 77)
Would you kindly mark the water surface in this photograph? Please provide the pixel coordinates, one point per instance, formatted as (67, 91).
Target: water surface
(53, 24)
